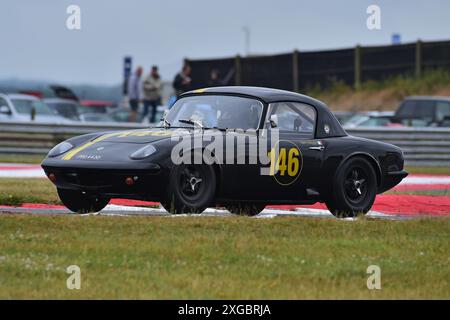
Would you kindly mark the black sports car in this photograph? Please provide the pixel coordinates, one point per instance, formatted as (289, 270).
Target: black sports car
(238, 147)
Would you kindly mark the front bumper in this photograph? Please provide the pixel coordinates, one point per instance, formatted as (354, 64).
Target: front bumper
(391, 179)
(109, 178)
(398, 174)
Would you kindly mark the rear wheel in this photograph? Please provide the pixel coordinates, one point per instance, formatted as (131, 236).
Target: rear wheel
(82, 202)
(191, 189)
(245, 208)
(354, 189)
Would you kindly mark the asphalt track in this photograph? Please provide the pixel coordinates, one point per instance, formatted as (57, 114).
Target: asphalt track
(391, 206)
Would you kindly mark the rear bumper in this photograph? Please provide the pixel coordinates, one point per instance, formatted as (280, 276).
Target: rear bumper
(109, 179)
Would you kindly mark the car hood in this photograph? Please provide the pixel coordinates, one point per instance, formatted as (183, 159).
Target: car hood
(115, 146)
(141, 135)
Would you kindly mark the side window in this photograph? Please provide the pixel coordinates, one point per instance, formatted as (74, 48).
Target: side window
(4, 106)
(406, 110)
(294, 117)
(442, 110)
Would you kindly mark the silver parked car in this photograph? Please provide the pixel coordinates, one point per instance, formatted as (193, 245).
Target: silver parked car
(67, 108)
(21, 107)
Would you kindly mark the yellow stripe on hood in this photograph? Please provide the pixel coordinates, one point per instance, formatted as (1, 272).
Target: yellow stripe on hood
(72, 153)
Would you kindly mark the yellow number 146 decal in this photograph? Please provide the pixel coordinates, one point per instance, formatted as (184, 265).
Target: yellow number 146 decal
(287, 161)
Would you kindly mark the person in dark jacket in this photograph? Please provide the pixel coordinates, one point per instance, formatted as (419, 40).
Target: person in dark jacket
(182, 81)
(214, 79)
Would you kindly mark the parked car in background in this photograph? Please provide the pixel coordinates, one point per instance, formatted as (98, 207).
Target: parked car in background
(445, 122)
(423, 111)
(96, 117)
(96, 106)
(52, 91)
(66, 108)
(123, 114)
(21, 107)
(343, 116)
(370, 119)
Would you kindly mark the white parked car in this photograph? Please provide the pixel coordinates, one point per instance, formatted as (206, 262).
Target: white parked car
(369, 119)
(19, 107)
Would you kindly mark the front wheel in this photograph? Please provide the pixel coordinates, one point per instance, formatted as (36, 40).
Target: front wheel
(191, 189)
(354, 189)
(245, 208)
(82, 202)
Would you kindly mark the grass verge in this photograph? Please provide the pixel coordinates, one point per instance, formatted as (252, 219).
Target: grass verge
(382, 95)
(15, 191)
(222, 258)
(21, 158)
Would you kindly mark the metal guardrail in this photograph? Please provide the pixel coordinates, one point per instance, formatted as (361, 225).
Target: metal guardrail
(421, 146)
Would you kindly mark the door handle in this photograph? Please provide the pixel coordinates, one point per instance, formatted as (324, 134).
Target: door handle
(318, 148)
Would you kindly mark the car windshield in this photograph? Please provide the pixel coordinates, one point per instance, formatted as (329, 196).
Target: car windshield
(216, 111)
(25, 106)
(67, 110)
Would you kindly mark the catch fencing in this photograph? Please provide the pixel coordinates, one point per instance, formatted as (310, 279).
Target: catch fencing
(421, 146)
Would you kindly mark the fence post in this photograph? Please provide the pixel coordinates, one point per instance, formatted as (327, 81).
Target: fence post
(237, 67)
(357, 83)
(295, 79)
(418, 58)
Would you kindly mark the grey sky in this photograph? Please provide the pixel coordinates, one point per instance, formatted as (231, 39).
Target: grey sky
(37, 45)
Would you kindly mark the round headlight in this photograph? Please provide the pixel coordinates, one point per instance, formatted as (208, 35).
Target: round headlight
(143, 152)
(60, 149)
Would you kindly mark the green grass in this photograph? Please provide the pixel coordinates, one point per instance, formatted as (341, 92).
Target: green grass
(21, 158)
(400, 86)
(429, 170)
(15, 191)
(436, 193)
(222, 258)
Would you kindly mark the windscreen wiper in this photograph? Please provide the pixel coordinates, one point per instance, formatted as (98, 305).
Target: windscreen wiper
(192, 122)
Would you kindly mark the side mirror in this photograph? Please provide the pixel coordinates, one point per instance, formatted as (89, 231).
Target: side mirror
(5, 109)
(273, 121)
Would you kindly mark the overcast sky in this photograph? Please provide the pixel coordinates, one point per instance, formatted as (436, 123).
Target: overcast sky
(35, 43)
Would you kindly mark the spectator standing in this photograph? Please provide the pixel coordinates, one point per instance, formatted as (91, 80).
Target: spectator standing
(152, 93)
(214, 79)
(182, 81)
(135, 92)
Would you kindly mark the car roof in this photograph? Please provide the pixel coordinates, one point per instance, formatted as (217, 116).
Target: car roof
(21, 96)
(59, 100)
(268, 95)
(433, 98)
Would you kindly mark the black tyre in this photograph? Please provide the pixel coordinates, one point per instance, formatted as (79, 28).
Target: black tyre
(82, 202)
(354, 189)
(245, 208)
(191, 189)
